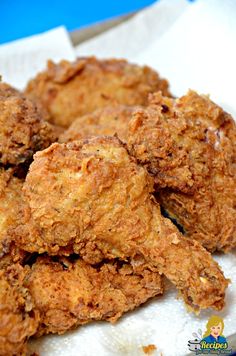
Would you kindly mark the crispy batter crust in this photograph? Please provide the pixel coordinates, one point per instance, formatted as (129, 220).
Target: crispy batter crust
(110, 121)
(22, 129)
(90, 197)
(70, 90)
(68, 294)
(11, 205)
(58, 294)
(18, 319)
(188, 145)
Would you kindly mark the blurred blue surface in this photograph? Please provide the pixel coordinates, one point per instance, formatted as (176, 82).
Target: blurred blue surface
(20, 18)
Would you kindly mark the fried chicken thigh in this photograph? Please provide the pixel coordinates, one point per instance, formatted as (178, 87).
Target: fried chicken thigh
(90, 197)
(110, 121)
(70, 90)
(18, 319)
(189, 146)
(71, 293)
(22, 129)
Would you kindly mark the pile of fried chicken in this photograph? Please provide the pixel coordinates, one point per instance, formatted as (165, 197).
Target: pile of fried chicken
(109, 185)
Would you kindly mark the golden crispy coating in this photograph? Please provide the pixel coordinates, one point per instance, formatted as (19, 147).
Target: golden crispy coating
(18, 320)
(90, 197)
(22, 130)
(189, 146)
(70, 90)
(13, 255)
(10, 208)
(68, 294)
(110, 121)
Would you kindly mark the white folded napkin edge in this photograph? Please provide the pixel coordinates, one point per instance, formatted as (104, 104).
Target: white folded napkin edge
(23, 59)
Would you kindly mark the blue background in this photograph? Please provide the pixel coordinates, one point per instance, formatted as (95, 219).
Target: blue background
(20, 18)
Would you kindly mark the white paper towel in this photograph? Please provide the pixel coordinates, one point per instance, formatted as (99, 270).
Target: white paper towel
(193, 45)
(131, 38)
(22, 59)
(199, 52)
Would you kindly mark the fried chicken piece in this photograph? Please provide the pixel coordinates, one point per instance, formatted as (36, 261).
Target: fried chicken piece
(11, 205)
(90, 197)
(68, 294)
(18, 319)
(110, 121)
(22, 129)
(189, 146)
(70, 90)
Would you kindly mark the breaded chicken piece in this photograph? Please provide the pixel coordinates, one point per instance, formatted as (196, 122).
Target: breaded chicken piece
(189, 146)
(110, 121)
(90, 197)
(70, 90)
(18, 319)
(11, 205)
(71, 293)
(22, 129)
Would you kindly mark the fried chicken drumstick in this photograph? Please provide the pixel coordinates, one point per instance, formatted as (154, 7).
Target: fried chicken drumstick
(70, 90)
(189, 146)
(92, 198)
(22, 128)
(54, 296)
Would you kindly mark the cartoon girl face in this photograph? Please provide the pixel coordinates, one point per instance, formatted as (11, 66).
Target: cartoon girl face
(216, 330)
